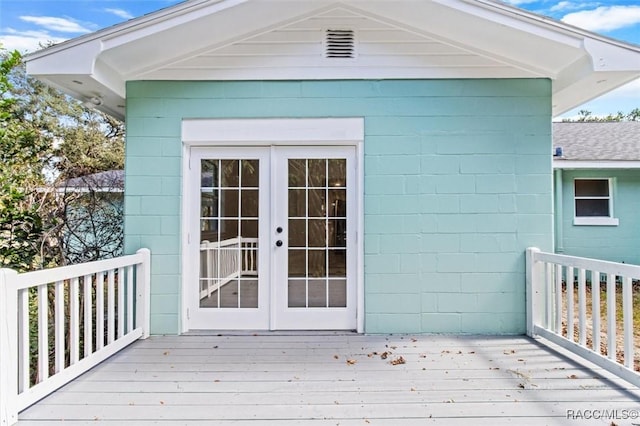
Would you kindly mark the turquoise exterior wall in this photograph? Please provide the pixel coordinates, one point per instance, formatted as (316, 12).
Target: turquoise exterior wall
(457, 186)
(614, 243)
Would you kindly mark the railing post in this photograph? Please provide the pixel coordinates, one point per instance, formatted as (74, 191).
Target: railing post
(8, 347)
(143, 292)
(534, 290)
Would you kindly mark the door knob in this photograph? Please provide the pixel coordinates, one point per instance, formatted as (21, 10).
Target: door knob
(279, 229)
(279, 243)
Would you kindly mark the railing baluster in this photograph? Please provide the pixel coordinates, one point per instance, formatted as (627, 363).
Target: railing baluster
(627, 313)
(595, 310)
(23, 341)
(611, 316)
(582, 307)
(74, 321)
(110, 306)
(548, 295)
(130, 301)
(58, 318)
(558, 310)
(43, 332)
(88, 315)
(100, 310)
(570, 304)
(121, 306)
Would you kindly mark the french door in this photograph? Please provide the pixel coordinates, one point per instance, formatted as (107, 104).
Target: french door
(275, 238)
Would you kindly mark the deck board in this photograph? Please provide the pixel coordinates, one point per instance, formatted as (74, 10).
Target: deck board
(333, 378)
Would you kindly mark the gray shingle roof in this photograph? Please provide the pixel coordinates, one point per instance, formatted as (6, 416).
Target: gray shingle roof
(113, 179)
(610, 141)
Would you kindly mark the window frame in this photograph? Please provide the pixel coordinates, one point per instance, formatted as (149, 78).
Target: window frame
(609, 220)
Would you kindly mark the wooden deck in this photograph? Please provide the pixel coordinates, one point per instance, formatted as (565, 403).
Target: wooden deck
(338, 379)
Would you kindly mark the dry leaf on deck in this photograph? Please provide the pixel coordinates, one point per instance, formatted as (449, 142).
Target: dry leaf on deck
(398, 360)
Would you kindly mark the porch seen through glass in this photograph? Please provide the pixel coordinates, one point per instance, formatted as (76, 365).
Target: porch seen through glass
(229, 233)
(317, 220)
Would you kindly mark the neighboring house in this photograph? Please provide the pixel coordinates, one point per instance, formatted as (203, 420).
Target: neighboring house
(93, 216)
(597, 197)
(378, 166)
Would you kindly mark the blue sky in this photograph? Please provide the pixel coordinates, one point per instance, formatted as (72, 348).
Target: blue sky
(24, 24)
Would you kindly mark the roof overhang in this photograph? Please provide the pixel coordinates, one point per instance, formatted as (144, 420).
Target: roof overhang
(246, 40)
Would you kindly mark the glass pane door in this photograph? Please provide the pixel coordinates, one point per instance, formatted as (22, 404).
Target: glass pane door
(317, 269)
(315, 249)
(228, 241)
(229, 196)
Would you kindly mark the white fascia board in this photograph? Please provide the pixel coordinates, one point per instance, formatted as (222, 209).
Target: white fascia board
(76, 59)
(595, 165)
(516, 18)
(174, 18)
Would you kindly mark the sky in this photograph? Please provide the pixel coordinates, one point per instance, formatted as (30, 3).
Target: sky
(26, 24)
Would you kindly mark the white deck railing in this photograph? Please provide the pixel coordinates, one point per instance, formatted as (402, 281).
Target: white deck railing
(223, 261)
(55, 324)
(560, 310)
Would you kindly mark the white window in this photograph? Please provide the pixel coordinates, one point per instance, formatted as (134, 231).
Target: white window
(593, 202)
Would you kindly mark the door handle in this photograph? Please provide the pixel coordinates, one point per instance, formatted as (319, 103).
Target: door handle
(279, 243)
(279, 229)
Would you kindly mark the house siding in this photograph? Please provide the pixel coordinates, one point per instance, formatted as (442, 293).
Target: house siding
(613, 243)
(457, 186)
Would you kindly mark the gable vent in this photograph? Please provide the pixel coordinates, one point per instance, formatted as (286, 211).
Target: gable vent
(339, 44)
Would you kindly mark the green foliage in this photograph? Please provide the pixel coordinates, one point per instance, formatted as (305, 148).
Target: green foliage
(20, 174)
(46, 138)
(587, 116)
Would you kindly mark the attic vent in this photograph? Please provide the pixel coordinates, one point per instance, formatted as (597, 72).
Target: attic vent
(340, 44)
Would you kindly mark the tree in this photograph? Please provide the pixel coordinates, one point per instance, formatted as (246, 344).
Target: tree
(47, 138)
(22, 153)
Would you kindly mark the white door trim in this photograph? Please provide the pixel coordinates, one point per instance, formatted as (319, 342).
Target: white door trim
(271, 132)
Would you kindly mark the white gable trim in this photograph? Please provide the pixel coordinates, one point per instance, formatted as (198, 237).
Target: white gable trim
(230, 40)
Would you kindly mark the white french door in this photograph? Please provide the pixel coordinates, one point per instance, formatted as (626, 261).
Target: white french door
(314, 255)
(275, 234)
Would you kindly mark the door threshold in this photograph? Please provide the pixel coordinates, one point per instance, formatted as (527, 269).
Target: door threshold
(270, 333)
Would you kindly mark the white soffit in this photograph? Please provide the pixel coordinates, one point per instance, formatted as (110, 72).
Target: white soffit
(286, 39)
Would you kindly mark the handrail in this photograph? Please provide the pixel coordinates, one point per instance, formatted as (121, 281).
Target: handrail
(224, 261)
(113, 295)
(554, 280)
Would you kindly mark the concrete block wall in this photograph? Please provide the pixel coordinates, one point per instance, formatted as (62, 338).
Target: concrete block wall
(457, 186)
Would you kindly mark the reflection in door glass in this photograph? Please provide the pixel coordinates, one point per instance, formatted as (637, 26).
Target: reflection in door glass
(229, 197)
(317, 207)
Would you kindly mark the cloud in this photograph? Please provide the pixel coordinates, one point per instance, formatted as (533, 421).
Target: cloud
(564, 6)
(121, 13)
(519, 2)
(53, 23)
(27, 41)
(605, 18)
